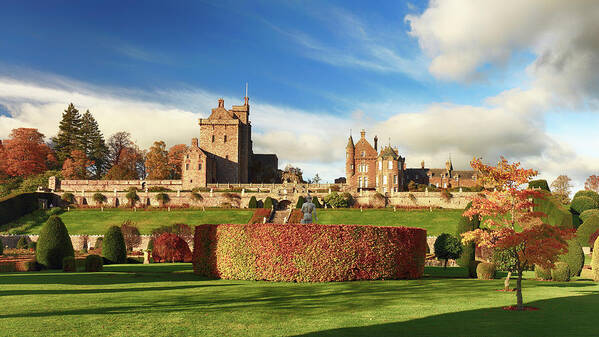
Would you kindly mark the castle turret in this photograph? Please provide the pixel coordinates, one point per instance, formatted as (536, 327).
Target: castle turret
(350, 151)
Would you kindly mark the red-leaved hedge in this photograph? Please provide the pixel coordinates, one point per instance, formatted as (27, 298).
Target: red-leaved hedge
(259, 215)
(169, 247)
(308, 253)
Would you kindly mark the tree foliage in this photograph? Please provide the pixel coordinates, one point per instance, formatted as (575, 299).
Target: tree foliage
(93, 145)
(561, 186)
(157, 164)
(113, 245)
(511, 223)
(592, 183)
(24, 153)
(175, 158)
(53, 244)
(447, 247)
(75, 166)
(69, 137)
(131, 235)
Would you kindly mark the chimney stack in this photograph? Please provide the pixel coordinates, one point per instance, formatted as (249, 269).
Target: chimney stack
(422, 164)
(376, 140)
(221, 103)
(363, 133)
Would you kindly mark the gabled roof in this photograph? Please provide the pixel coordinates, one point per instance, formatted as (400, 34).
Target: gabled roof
(350, 142)
(388, 152)
(222, 113)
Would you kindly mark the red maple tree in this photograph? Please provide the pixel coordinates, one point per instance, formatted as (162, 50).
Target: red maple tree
(511, 224)
(76, 166)
(25, 153)
(592, 183)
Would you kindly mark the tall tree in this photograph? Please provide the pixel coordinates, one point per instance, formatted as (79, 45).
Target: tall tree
(126, 167)
(561, 188)
(69, 133)
(175, 158)
(76, 166)
(157, 162)
(512, 226)
(25, 153)
(592, 183)
(93, 145)
(116, 144)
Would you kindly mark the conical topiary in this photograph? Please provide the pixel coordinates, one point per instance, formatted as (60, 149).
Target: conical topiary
(465, 224)
(253, 202)
(316, 202)
(268, 203)
(53, 244)
(300, 202)
(113, 246)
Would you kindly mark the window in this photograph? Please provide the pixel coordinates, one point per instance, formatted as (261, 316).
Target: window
(395, 180)
(187, 166)
(377, 180)
(390, 165)
(363, 153)
(384, 180)
(360, 181)
(384, 190)
(352, 167)
(227, 157)
(199, 166)
(366, 181)
(225, 138)
(187, 156)
(213, 138)
(380, 165)
(445, 185)
(474, 178)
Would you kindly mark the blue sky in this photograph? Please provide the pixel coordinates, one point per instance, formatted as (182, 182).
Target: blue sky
(423, 74)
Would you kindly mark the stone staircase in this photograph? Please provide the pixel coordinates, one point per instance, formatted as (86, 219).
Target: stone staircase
(280, 216)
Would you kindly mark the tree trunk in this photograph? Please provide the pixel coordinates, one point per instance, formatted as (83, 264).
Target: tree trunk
(519, 291)
(506, 283)
(445, 265)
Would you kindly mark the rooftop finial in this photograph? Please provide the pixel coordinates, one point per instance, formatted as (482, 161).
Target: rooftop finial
(246, 98)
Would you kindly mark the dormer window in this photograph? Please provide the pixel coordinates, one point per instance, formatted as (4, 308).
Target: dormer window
(363, 153)
(225, 138)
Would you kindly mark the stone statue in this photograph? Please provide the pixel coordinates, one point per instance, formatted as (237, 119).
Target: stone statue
(309, 210)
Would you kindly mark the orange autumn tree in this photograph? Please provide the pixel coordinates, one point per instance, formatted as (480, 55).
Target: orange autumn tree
(25, 153)
(76, 166)
(512, 226)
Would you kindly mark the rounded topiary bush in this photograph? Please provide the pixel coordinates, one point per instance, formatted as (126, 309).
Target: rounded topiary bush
(169, 247)
(253, 202)
(593, 238)
(587, 193)
(22, 243)
(542, 273)
(595, 261)
(269, 203)
(560, 272)
(113, 246)
(68, 197)
(98, 244)
(485, 271)
(472, 268)
(584, 216)
(581, 204)
(447, 247)
(93, 263)
(68, 264)
(588, 227)
(574, 258)
(53, 244)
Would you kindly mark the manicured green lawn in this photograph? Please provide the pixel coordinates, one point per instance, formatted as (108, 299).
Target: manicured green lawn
(436, 222)
(168, 300)
(94, 221)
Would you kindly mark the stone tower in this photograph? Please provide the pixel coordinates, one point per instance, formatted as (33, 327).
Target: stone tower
(227, 135)
(197, 167)
(350, 153)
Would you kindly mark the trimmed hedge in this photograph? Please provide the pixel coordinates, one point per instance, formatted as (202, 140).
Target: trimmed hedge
(316, 202)
(587, 193)
(53, 244)
(581, 204)
(540, 183)
(555, 213)
(542, 273)
(269, 202)
(169, 247)
(93, 263)
(560, 272)
(300, 202)
(485, 271)
(309, 252)
(22, 243)
(472, 268)
(583, 233)
(253, 202)
(113, 246)
(595, 261)
(574, 258)
(14, 207)
(465, 225)
(588, 213)
(68, 264)
(259, 215)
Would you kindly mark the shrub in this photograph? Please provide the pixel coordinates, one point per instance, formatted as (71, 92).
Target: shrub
(581, 204)
(560, 272)
(583, 233)
(132, 196)
(593, 238)
(113, 246)
(98, 243)
(53, 244)
(150, 244)
(269, 203)
(540, 183)
(595, 261)
(169, 247)
(587, 193)
(485, 271)
(412, 186)
(542, 273)
(1, 247)
(93, 263)
(316, 202)
(180, 229)
(588, 214)
(472, 268)
(259, 215)
(446, 195)
(131, 235)
(468, 250)
(555, 213)
(195, 196)
(300, 202)
(68, 197)
(99, 198)
(253, 202)
(159, 189)
(31, 245)
(447, 247)
(378, 200)
(68, 264)
(337, 200)
(22, 243)
(574, 258)
(309, 252)
(14, 207)
(163, 199)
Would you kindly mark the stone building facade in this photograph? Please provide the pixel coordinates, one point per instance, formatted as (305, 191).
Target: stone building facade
(385, 171)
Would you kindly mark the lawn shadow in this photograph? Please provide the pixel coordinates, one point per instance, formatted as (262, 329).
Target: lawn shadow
(548, 321)
(103, 291)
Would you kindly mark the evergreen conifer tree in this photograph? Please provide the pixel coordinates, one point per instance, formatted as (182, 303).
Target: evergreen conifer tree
(93, 145)
(69, 133)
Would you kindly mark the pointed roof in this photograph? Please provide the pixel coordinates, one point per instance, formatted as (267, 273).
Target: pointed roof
(350, 142)
(387, 152)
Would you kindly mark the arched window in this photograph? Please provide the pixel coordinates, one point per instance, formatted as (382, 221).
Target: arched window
(199, 166)
(213, 138)
(187, 166)
(225, 138)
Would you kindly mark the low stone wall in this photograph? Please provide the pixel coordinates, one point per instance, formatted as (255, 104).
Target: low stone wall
(458, 200)
(118, 185)
(10, 241)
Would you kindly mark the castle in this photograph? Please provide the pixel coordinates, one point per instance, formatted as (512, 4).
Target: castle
(224, 152)
(385, 171)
